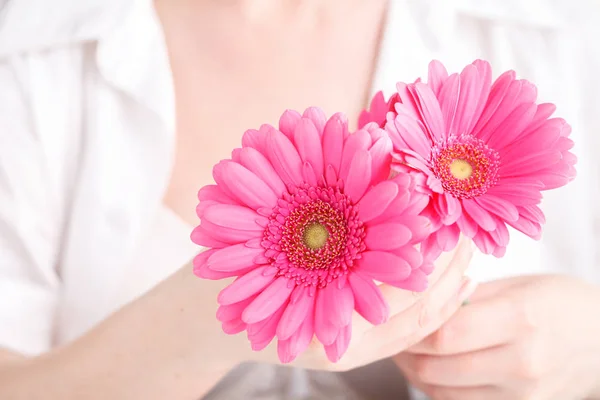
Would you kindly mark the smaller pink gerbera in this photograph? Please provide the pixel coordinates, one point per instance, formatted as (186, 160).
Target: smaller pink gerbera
(487, 151)
(306, 219)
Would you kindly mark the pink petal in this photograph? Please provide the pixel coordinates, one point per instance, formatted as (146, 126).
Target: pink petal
(544, 136)
(484, 73)
(500, 235)
(483, 218)
(333, 140)
(308, 143)
(340, 303)
(214, 193)
(528, 227)
(325, 331)
(309, 175)
(284, 158)
(233, 258)
(233, 327)
(288, 121)
(383, 266)
(553, 181)
(427, 268)
(261, 333)
(233, 311)
(485, 243)
(258, 164)
(499, 252)
(411, 255)
(267, 302)
(533, 213)
(376, 200)
(420, 227)
(517, 193)
(387, 236)
(289, 349)
(317, 116)
(430, 111)
(202, 257)
(503, 92)
(448, 207)
(437, 75)
(430, 248)
(223, 234)
(336, 350)
(259, 346)
(395, 209)
(432, 215)
(360, 140)
(245, 286)
(381, 154)
(467, 101)
(245, 185)
(204, 272)
(407, 102)
(510, 118)
(448, 99)
(467, 226)
(202, 237)
(407, 134)
(359, 175)
(233, 216)
(255, 139)
(368, 300)
(447, 237)
(331, 176)
(498, 206)
(513, 126)
(378, 109)
(530, 164)
(416, 282)
(418, 203)
(294, 315)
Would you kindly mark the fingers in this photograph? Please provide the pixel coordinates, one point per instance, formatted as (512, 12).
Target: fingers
(400, 300)
(496, 287)
(474, 393)
(480, 368)
(425, 315)
(478, 326)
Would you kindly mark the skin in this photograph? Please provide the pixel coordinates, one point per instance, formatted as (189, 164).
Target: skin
(530, 337)
(167, 343)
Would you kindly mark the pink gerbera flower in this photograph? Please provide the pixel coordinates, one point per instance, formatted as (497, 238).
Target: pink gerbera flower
(306, 219)
(487, 150)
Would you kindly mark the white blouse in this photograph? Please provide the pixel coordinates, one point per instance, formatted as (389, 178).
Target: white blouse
(87, 139)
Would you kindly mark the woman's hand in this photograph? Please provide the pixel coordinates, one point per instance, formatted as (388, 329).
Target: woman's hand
(520, 338)
(169, 344)
(412, 317)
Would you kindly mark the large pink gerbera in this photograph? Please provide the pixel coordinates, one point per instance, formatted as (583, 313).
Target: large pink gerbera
(306, 219)
(487, 151)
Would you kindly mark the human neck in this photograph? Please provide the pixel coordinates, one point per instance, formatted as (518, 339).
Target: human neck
(262, 10)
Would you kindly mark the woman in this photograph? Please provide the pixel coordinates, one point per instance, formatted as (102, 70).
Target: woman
(111, 117)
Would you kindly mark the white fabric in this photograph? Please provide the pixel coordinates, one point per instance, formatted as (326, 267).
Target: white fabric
(86, 141)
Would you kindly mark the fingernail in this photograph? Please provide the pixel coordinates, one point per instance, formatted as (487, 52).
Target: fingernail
(466, 289)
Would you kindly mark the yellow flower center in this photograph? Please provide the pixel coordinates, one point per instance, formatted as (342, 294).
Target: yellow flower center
(461, 169)
(315, 236)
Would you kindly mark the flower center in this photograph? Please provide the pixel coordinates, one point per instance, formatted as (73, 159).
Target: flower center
(315, 236)
(465, 165)
(461, 169)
